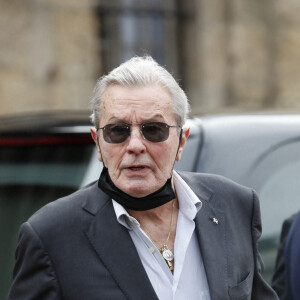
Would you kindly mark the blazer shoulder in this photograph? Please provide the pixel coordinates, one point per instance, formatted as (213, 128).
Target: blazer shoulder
(223, 194)
(215, 183)
(69, 208)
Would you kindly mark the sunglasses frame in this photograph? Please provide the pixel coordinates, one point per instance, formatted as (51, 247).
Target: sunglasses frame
(141, 130)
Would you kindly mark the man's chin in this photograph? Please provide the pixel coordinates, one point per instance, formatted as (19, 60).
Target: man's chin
(137, 192)
(138, 188)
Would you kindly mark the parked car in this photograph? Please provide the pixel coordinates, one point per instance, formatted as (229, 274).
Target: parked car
(44, 157)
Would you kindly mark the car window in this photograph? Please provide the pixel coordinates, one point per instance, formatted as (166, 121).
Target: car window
(275, 177)
(93, 169)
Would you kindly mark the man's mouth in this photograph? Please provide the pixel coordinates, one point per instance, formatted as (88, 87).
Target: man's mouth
(136, 168)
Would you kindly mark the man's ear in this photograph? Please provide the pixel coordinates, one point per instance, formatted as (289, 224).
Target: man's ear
(184, 137)
(95, 138)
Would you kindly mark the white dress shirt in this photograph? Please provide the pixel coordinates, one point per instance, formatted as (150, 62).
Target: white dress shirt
(188, 280)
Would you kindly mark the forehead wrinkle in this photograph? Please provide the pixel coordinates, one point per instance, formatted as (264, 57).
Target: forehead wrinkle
(136, 96)
(140, 102)
(137, 106)
(131, 104)
(145, 116)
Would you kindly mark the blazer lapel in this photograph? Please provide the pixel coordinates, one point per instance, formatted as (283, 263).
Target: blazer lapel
(116, 250)
(211, 232)
(210, 229)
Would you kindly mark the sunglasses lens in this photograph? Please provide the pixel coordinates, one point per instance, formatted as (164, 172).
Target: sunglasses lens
(155, 132)
(116, 133)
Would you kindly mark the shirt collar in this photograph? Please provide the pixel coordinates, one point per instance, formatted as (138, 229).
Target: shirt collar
(123, 216)
(189, 204)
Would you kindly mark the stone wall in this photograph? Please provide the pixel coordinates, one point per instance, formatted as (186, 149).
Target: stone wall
(233, 54)
(49, 55)
(247, 55)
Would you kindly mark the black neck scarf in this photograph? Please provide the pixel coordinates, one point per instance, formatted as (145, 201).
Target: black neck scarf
(158, 198)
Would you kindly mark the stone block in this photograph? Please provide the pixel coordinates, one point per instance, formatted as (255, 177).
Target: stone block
(288, 66)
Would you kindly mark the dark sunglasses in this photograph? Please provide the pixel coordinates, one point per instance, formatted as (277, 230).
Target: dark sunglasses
(152, 131)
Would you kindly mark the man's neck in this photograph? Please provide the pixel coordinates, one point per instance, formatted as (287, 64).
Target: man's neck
(159, 223)
(156, 215)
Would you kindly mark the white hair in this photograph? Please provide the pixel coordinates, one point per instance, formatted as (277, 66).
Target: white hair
(141, 71)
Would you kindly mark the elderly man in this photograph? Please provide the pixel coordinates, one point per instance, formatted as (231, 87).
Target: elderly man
(143, 231)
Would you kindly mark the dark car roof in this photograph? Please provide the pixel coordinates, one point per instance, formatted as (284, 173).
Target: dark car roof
(44, 121)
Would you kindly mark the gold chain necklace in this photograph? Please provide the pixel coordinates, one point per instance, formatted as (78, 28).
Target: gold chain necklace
(166, 253)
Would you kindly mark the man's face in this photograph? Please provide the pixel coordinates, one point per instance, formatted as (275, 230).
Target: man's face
(137, 166)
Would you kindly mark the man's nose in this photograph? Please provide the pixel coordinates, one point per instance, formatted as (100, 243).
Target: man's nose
(136, 141)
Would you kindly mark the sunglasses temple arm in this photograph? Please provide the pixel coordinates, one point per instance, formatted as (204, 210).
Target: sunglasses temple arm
(180, 135)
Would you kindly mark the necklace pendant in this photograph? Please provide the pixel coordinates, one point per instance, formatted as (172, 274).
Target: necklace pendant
(170, 265)
(168, 256)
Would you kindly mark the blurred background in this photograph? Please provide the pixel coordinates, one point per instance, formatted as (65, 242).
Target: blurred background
(228, 55)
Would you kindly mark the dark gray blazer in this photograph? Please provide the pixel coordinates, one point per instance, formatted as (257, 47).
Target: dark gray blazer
(74, 248)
